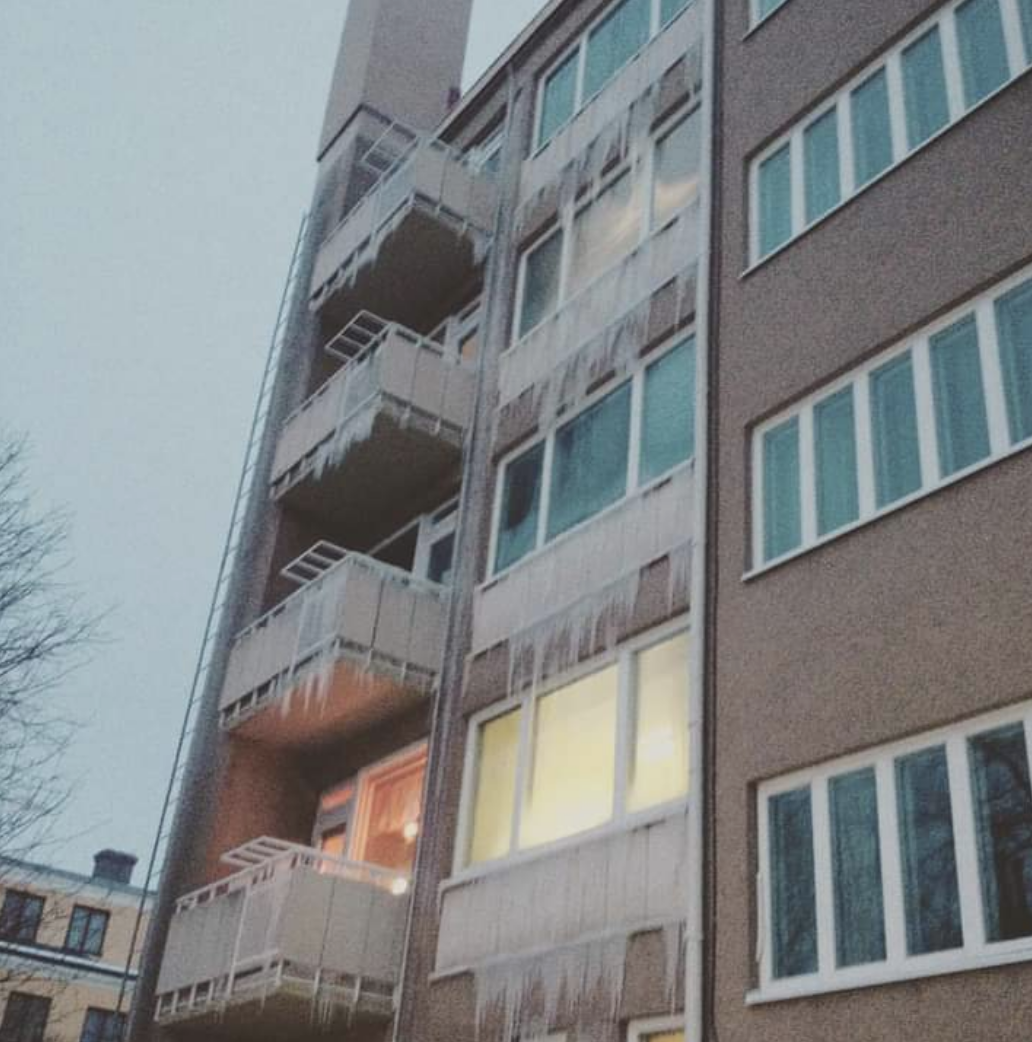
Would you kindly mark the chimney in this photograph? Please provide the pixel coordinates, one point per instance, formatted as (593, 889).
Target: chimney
(401, 58)
(113, 866)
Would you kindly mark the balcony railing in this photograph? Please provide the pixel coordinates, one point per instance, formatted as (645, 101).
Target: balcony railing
(420, 232)
(352, 647)
(387, 425)
(293, 934)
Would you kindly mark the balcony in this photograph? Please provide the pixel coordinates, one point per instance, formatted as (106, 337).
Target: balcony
(385, 427)
(415, 238)
(296, 942)
(358, 643)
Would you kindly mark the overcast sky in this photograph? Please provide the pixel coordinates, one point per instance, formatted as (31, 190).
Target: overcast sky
(155, 158)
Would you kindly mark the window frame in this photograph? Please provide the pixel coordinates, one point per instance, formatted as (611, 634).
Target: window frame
(634, 486)
(91, 913)
(623, 658)
(41, 1001)
(108, 1016)
(890, 60)
(641, 1030)
(24, 897)
(976, 952)
(982, 307)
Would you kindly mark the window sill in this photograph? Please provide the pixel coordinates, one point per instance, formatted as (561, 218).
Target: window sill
(939, 964)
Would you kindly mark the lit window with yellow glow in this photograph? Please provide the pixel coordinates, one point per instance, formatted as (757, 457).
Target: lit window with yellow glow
(607, 745)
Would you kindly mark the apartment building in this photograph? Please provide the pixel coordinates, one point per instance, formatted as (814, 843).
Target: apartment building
(870, 618)
(65, 940)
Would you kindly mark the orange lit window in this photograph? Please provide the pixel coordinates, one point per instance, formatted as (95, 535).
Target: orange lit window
(334, 842)
(389, 812)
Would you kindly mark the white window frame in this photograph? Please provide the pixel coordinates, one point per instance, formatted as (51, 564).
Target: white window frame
(640, 1030)
(633, 487)
(932, 479)
(891, 61)
(580, 47)
(624, 658)
(641, 168)
(976, 951)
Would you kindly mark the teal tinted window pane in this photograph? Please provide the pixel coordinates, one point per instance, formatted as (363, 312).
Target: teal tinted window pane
(782, 518)
(521, 498)
(775, 191)
(668, 421)
(821, 165)
(558, 98)
(793, 900)
(872, 133)
(617, 38)
(589, 466)
(924, 88)
(1025, 7)
(670, 9)
(764, 7)
(960, 418)
(540, 282)
(983, 53)
(1003, 817)
(897, 456)
(856, 868)
(1014, 332)
(930, 894)
(834, 432)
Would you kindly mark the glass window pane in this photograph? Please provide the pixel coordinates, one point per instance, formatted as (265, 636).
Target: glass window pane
(782, 520)
(856, 868)
(834, 432)
(1025, 7)
(1003, 815)
(872, 133)
(668, 411)
(521, 499)
(960, 418)
(793, 900)
(775, 190)
(573, 776)
(439, 567)
(821, 165)
(390, 819)
(1014, 332)
(619, 36)
(659, 771)
(558, 98)
(924, 88)
(675, 180)
(897, 457)
(930, 894)
(983, 53)
(589, 466)
(495, 797)
(764, 7)
(669, 9)
(605, 231)
(540, 282)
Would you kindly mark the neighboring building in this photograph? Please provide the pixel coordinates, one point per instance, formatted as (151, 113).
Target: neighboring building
(597, 663)
(65, 940)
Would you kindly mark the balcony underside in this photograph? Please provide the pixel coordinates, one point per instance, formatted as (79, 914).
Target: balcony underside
(353, 692)
(370, 485)
(422, 262)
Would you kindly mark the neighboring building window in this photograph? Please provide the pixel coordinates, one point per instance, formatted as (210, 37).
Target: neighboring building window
(660, 1029)
(914, 858)
(956, 397)
(596, 57)
(86, 931)
(102, 1025)
(622, 441)
(25, 1018)
(935, 76)
(20, 916)
(609, 744)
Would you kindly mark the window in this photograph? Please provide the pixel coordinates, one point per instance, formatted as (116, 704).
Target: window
(658, 1029)
(558, 765)
(86, 931)
(389, 812)
(626, 438)
(596, 57)
(102, 1025)
(955, 398)
(762, 8)
(20, 916)
(950, 63)
(675, 180)
(540, 278)
(921, 852)
(25, 1018)
(605, 230)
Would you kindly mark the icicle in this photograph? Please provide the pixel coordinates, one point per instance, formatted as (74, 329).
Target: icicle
(674, 941)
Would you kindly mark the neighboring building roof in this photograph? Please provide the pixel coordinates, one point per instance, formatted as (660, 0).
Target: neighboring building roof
(50, 877)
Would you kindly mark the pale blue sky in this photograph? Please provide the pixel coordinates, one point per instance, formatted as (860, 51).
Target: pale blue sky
(155, 158)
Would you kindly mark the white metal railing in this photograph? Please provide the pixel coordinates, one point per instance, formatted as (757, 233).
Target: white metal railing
(266, 859)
